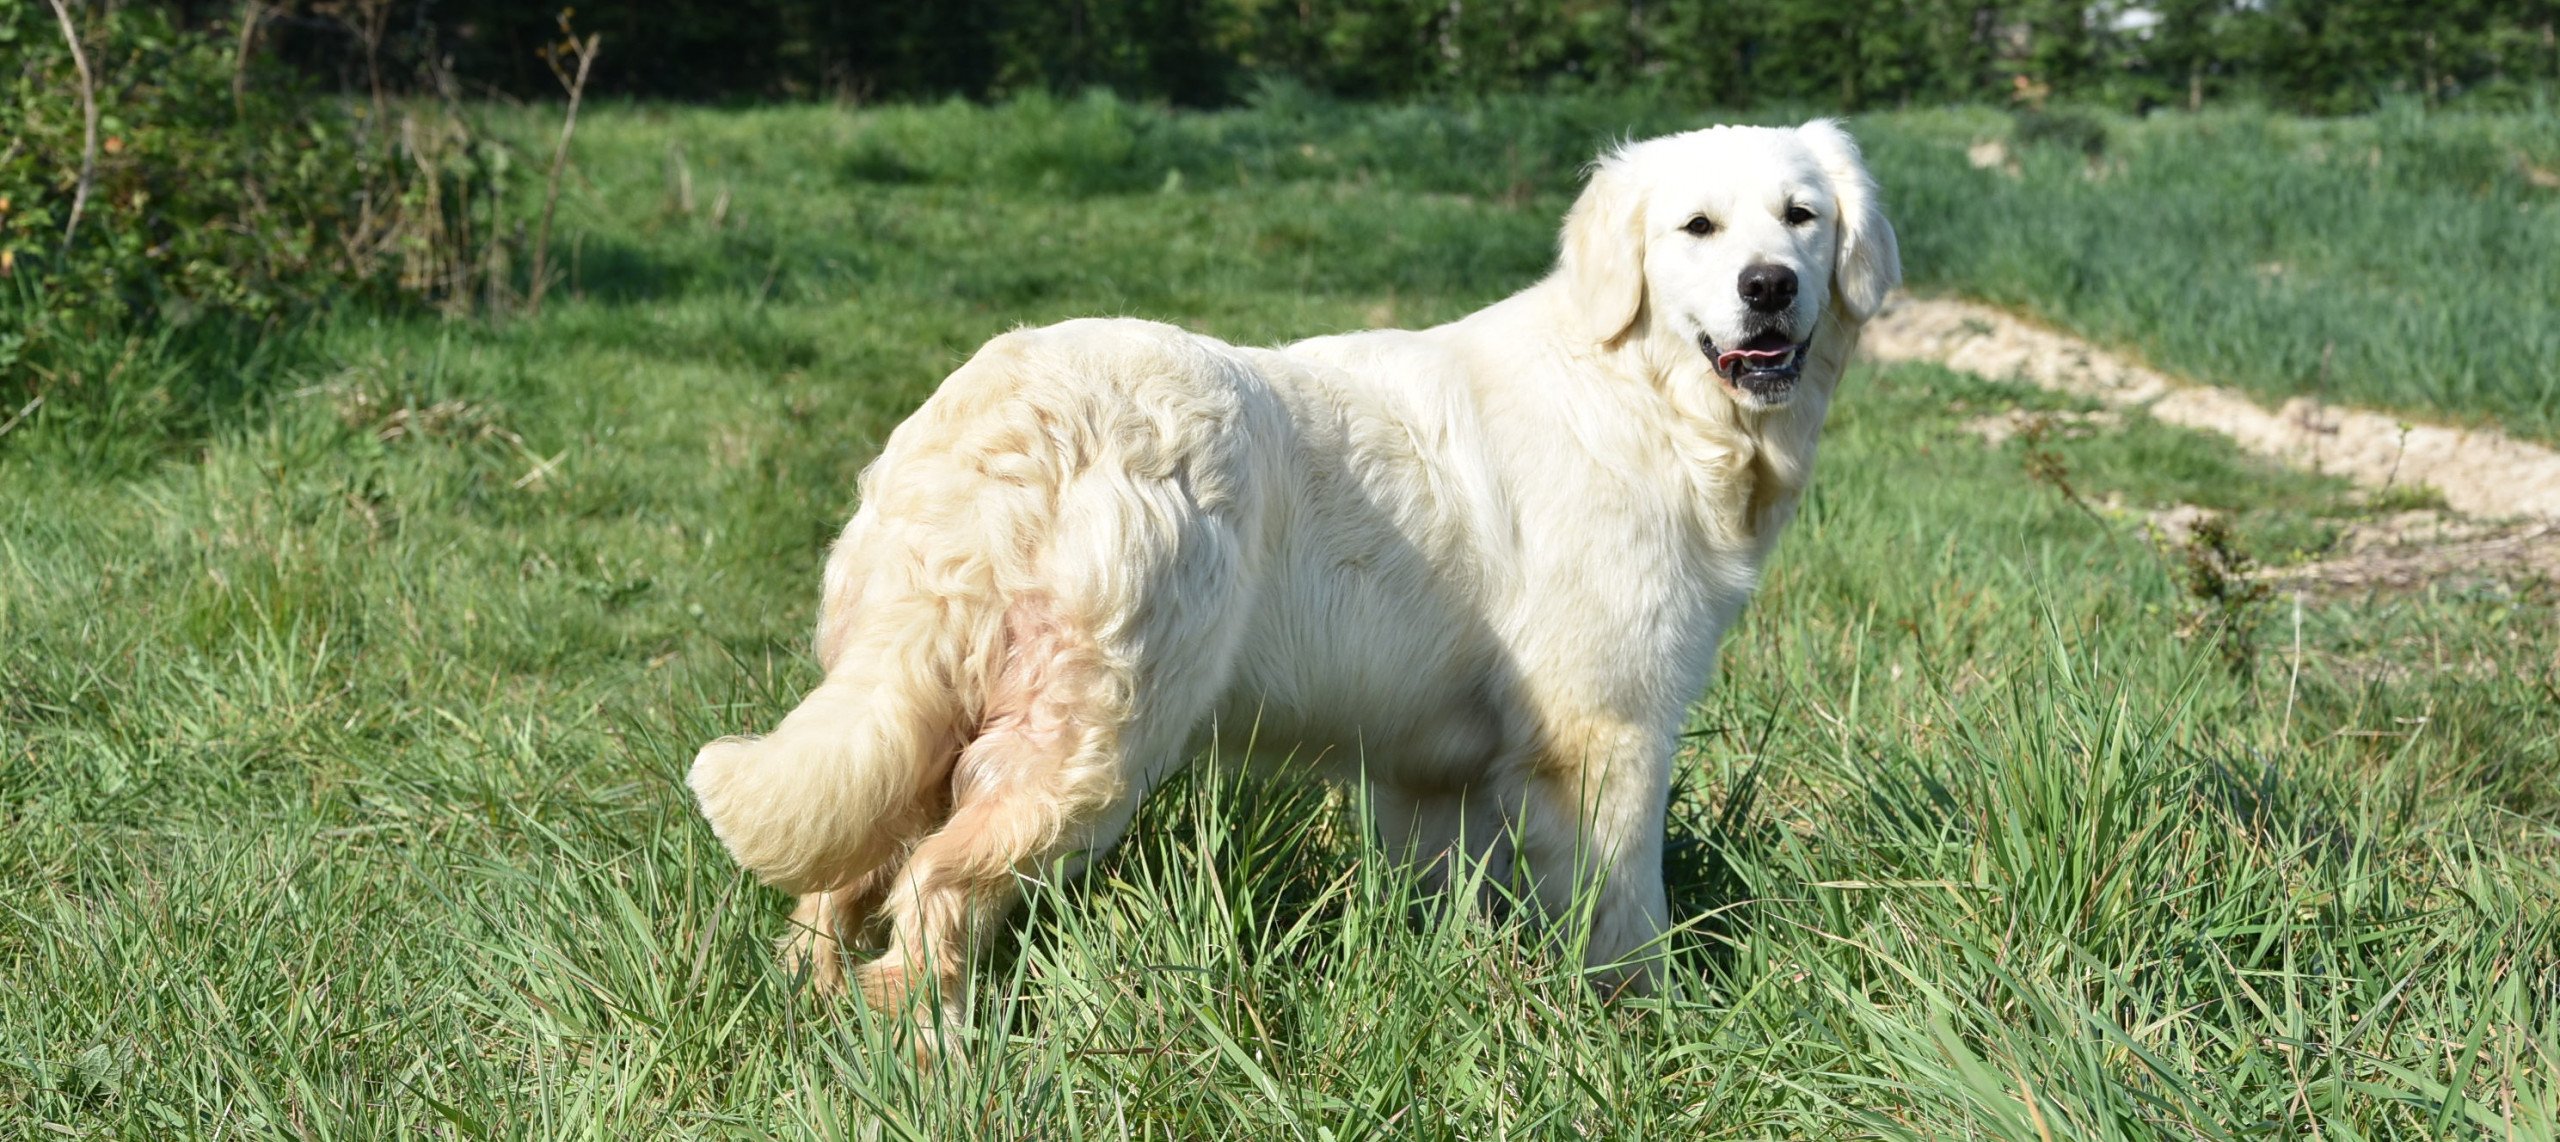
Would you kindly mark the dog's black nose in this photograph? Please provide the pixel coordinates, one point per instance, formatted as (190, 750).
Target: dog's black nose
(1768, 289)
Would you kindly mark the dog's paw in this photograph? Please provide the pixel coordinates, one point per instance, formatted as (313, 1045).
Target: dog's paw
(889, 985)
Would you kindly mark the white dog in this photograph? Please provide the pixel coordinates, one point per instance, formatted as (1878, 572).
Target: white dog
(1483, 566)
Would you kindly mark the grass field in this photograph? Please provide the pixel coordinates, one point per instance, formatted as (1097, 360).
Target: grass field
(343, 712)
(2402, 261)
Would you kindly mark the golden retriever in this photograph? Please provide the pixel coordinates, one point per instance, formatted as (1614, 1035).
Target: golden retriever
(1481, 567)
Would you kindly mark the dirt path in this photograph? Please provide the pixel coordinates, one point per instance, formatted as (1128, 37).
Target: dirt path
(2481, 473)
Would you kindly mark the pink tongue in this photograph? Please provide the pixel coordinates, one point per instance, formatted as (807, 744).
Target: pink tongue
(1726, 361)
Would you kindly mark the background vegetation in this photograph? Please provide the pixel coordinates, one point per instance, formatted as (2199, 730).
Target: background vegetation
(2405, 260)
(230, 199)
(151, 255)
(1845, 54)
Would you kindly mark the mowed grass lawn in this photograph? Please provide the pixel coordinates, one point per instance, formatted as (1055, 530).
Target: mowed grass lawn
(342, 723)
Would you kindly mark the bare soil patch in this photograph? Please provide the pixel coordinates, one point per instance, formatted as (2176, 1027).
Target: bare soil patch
(2401, 551)
(2423, 548)
(2504, 493)
(2479, 472)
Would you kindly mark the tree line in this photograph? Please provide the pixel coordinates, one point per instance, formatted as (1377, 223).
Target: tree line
(2302, 55)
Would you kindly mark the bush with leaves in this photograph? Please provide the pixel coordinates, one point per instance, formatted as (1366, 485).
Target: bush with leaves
(224, 188)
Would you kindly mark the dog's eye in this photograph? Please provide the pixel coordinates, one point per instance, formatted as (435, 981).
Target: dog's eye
(1701, 226)
(1798, 216)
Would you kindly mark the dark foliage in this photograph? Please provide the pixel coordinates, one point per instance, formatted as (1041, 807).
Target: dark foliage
(1849, 54)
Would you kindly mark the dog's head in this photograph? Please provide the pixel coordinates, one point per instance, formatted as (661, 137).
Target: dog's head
(1738, 241)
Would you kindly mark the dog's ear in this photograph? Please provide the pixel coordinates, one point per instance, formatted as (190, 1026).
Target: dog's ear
(1604, 253)
(1868, 263)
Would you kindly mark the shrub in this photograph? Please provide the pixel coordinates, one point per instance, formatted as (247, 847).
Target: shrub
(2065, 128)
(224, 189)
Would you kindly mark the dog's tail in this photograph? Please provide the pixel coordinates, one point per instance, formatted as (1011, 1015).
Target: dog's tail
(816, 803)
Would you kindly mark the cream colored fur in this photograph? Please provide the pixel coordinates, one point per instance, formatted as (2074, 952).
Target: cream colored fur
(1483, 567)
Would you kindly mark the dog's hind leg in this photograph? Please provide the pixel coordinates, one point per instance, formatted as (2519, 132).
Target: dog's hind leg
(814, 945)
(824, 922)
(1125, 525)
(1072, 741)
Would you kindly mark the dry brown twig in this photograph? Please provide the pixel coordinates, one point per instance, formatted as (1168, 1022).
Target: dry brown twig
(373, 24)
(583, 53)
(88, 125)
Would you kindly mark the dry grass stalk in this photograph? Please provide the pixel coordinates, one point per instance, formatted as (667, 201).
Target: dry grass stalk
(88, 121)
(583, 52)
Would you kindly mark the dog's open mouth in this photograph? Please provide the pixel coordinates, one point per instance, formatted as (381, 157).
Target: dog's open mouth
(1764, 366)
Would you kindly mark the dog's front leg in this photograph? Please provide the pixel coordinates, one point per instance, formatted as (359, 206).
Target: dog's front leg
(1591, 838)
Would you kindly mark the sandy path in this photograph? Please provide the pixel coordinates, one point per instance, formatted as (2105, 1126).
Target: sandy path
(2480, 472)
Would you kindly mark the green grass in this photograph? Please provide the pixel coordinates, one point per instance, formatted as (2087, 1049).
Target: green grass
(2404, 261)
(342, 722)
